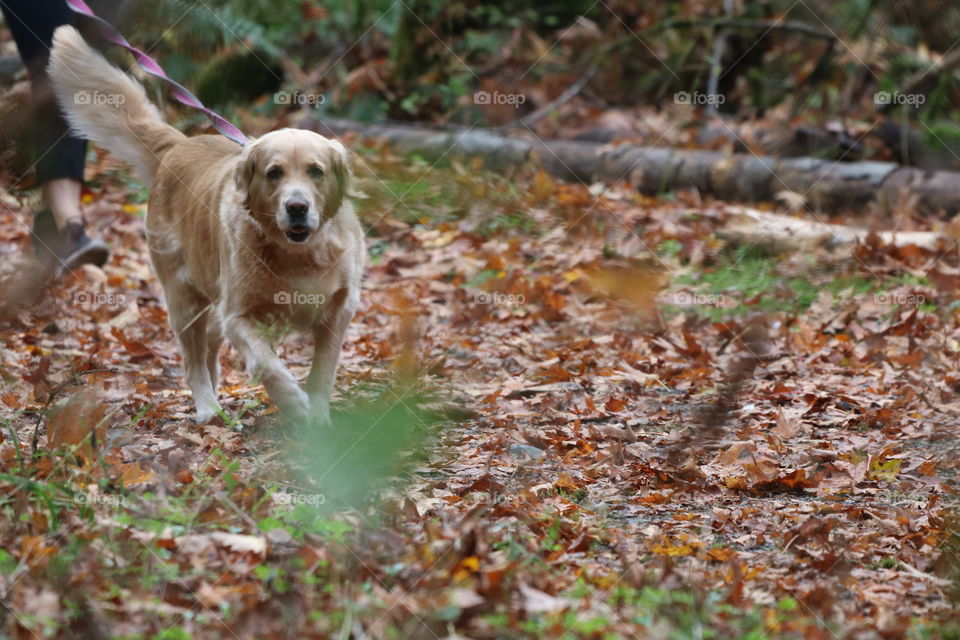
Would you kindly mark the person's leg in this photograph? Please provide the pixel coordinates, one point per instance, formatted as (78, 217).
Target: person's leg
(61, 155)
(62, 197)
(58, 235)
(58, 156)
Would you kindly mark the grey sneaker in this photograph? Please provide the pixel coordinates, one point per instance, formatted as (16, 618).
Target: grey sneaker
(62, 250)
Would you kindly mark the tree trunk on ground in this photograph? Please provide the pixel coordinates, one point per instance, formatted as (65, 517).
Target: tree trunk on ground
(775, 233)
(825, 185)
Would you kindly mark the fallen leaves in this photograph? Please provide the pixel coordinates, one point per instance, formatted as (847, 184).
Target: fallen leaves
(82, 420)
(197, 544)
(551, 493)
(536, 601)
(637, 285)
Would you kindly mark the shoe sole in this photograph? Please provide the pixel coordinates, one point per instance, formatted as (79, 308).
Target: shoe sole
(95, 252)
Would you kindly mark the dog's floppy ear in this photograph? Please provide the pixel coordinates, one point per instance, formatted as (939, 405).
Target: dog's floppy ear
(342, 170)
(245, 171)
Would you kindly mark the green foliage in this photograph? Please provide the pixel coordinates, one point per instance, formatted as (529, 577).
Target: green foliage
(234, 51)
(210, 45)
(7, 563)
(943, 135)
(347, 463)
(173, 633)
(507, 222)
(747, 281)
(196, 29)
(675, 614)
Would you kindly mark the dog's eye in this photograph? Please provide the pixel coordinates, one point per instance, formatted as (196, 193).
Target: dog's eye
(315, 172)
(275, 173)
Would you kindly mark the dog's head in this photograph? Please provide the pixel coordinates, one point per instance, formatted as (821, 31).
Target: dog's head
(292, 181)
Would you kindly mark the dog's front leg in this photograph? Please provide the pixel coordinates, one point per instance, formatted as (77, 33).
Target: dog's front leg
(328, 340)
(262, 363)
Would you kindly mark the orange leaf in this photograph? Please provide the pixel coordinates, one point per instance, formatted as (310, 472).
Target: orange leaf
(615, 404)
(673, 550)
(636, 285)
(654, 498)
(81, 419)
(720, 554)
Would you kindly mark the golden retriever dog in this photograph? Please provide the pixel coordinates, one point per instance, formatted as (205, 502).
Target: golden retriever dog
(243, 240)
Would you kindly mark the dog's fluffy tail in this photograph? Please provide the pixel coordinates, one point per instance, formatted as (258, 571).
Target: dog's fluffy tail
(106, 105)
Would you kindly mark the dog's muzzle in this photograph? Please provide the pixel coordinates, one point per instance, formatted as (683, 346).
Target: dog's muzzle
(297, 211)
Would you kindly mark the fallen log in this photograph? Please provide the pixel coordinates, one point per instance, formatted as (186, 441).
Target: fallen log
(776, 233)
(825, 185)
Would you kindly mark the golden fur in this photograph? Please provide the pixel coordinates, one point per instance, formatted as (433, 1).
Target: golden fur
(242, 239)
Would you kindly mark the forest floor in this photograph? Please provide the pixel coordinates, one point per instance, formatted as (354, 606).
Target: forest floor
(562, 411)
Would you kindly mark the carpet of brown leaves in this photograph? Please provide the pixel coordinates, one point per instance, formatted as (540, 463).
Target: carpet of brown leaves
(796, 466)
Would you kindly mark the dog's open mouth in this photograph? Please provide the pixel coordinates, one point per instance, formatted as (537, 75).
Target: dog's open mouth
(298, 234)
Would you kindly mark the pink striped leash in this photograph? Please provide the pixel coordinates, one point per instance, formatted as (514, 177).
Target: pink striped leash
(180, 93)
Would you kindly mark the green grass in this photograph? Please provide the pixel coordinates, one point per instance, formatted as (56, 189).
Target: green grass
(757, 283)
(507, 222)
(418, 191)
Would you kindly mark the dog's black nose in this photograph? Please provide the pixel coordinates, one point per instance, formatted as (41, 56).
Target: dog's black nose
(297, 208)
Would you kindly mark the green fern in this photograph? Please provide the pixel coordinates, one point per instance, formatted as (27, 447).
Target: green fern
(198, 29)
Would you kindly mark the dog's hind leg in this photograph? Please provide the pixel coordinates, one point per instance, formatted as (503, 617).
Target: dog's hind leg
(214, 342)
(191, 318)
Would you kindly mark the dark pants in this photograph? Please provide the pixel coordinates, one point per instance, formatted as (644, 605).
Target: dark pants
(56, 152)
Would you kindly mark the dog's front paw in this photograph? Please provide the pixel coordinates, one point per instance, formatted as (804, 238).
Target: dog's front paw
(295, 406)
(322, 420)
(320, 411)
(206, 413)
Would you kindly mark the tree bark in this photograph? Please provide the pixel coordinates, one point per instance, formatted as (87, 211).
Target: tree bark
(775, 233)
(825, 185)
